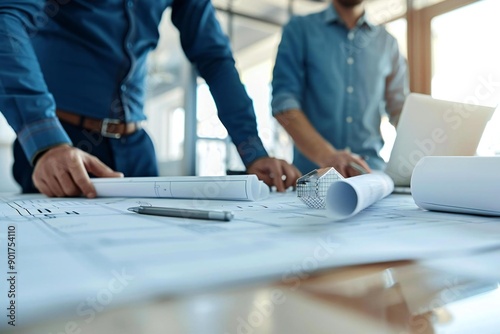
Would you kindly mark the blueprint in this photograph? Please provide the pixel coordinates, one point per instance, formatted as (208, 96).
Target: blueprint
(69, 252)
(346, 198)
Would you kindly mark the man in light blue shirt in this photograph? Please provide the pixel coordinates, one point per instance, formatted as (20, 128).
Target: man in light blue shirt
(335, 76)
(72, 87)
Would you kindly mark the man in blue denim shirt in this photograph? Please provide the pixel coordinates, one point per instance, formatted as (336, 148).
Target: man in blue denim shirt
(335, 75)
(72, 87)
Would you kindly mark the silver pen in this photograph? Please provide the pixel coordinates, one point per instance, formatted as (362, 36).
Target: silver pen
(183, 213)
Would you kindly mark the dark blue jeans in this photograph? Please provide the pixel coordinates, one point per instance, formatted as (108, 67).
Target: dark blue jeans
(133, 155)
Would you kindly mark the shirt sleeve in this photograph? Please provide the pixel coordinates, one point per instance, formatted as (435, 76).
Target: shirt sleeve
(397, 85)
(207, 47)
(24, 98)
(289, 72)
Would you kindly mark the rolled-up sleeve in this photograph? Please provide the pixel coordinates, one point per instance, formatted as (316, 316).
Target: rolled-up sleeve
(288, 72)
(24, 98)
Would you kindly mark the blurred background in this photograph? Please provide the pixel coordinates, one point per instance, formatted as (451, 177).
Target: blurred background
(451, 46)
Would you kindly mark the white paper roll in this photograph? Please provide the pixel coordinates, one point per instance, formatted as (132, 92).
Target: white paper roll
(458, 184)
(233, 187)
(345, 198)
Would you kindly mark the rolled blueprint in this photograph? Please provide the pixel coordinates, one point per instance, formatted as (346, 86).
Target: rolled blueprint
(233, 187)
(458, 184)
(347, 197)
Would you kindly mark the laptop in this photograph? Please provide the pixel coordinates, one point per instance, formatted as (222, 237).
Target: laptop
(432, 127)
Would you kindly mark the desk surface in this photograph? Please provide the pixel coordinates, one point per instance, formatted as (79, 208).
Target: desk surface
(90, 266)
(400, 297)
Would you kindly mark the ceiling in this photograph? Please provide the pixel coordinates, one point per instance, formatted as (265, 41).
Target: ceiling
(275, 12)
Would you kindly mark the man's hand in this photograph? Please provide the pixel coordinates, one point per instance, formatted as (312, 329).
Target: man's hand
(316, 148)
(62, 171)
(341, 161)
(275, 172)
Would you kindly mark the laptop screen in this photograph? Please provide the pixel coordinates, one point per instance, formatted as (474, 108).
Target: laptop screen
(432, 127)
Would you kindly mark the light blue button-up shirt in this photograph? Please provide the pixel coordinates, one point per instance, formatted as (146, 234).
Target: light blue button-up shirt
(89, 57)
(343, 80)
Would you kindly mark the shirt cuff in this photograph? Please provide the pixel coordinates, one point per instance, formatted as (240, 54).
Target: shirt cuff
(41, 135)
(282, 103)
(251, 150)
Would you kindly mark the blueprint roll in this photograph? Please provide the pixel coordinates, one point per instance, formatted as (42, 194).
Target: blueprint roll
(347, 197)
(231, 187)
(458, 184)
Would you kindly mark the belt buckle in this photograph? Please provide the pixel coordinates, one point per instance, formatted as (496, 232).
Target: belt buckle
(104, 128)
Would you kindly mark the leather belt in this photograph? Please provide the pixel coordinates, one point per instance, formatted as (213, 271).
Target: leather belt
(107, 127)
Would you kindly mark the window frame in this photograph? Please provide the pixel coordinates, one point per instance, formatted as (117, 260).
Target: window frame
(420, 40)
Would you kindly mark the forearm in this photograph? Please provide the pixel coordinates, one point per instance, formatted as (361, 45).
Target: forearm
(306, 137)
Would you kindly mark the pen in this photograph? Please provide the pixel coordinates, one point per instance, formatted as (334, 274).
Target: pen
(183, 213)
(358, 168)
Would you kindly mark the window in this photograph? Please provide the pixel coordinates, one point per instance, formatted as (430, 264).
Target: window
(466, 61)
(432, 35)
(397, 28)
(7, 136)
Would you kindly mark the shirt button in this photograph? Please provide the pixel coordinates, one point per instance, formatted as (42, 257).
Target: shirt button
(130, 4)
(350, 60)
(348, 119)
(129, 45)
(123, 88)
(350, 89)
(350, 35)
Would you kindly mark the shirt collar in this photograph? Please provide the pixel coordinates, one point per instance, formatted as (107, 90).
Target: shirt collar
(332, 16)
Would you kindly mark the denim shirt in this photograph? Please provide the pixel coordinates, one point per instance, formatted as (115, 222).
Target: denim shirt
(89, 57)
(343, 80)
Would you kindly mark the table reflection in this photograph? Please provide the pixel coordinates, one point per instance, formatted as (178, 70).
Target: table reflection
(400, 297)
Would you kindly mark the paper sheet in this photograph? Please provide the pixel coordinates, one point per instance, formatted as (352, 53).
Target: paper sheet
(347, 197)
(458, 184)
(70, 251)
(234, 187)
